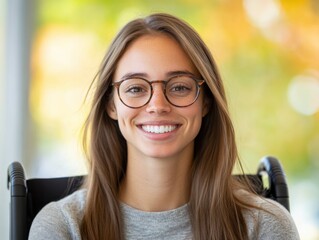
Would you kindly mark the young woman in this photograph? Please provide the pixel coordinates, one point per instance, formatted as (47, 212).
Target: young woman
(161, 149)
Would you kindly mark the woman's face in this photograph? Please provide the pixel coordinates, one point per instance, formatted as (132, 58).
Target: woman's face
(158, 129)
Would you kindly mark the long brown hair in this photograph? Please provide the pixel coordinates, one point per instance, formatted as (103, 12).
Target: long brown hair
(215, 208)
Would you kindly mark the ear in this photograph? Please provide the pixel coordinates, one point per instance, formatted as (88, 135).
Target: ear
(111, 110)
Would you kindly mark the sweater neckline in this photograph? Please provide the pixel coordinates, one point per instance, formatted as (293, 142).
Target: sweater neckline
(176, 213)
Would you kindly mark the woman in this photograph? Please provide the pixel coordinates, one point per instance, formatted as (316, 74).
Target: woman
(161, 148)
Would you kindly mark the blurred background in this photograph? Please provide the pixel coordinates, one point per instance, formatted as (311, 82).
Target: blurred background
(267, 52)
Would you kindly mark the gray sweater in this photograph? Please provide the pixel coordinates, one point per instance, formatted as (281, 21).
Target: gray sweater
(61, 220)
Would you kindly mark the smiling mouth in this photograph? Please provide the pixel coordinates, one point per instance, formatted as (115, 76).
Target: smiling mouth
(159, 128)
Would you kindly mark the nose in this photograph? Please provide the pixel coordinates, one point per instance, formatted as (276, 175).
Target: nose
(158, 102)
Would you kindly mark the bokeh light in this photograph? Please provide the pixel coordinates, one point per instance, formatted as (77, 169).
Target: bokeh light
(303, 94)
(263, 14)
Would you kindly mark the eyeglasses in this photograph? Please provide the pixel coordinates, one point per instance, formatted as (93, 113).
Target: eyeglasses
(180, 91)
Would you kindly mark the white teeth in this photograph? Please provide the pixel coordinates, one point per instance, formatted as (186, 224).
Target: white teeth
(158, 129)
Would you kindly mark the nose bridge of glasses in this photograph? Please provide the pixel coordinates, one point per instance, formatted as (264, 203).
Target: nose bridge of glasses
(163, 83)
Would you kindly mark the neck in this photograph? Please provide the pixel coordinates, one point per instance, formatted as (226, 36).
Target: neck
(152, 184)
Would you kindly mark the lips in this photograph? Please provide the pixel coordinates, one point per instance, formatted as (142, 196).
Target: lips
(159, 129)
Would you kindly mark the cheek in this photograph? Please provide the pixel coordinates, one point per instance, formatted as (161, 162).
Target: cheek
(197, 123)
(198, 108)
(124, 123)
(125, 116)
(120, 109)
(194, 114)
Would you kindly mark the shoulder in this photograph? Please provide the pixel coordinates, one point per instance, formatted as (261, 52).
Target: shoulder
(269, 220)
(73, 203)
(61, 219)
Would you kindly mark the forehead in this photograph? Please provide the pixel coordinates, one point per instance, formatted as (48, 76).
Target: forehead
(154, 55)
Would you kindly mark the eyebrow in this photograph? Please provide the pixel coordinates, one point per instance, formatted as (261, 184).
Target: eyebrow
(145, 75)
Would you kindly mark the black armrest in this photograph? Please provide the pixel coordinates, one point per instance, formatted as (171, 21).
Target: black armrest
(18, 205)
(277, 180)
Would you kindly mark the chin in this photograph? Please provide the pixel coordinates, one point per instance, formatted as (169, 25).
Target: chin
(163, 153)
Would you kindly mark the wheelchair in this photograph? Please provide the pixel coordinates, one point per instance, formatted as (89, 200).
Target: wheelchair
(29, 196)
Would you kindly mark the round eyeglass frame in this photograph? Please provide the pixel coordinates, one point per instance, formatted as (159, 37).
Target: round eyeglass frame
(199, 83)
